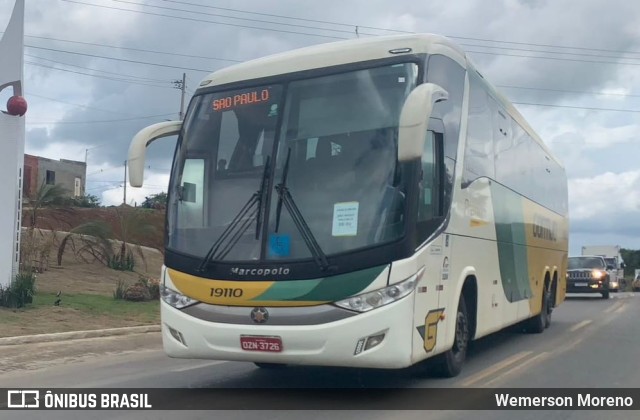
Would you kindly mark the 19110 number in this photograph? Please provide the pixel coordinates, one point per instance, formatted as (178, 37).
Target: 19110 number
(226, 292)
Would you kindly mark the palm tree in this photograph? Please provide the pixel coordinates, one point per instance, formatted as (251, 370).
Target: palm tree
(97, 243)
(133, 227)
(46, 196)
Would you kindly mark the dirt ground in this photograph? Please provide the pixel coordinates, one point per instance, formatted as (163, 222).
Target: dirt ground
(78, 276)
(86, 290)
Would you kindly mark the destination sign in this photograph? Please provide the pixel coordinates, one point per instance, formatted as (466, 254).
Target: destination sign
(230, 102)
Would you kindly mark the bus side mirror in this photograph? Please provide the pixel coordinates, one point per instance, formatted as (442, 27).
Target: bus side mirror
(139, 144)
(414, 119)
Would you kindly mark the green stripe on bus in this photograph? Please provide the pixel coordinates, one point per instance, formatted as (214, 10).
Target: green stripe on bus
(325, 289)
(512, 240)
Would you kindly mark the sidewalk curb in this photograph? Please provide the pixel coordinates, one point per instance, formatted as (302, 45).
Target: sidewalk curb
(76, 335)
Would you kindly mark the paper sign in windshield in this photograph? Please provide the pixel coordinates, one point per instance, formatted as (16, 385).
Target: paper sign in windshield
(345, 219)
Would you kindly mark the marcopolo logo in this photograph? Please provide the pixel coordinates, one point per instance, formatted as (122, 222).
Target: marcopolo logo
(260, 271)
(25, 398)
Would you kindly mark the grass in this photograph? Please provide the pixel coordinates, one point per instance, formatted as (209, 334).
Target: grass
(102, 305)
(76, 312)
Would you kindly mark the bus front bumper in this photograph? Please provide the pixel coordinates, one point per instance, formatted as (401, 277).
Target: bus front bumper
(338, 343)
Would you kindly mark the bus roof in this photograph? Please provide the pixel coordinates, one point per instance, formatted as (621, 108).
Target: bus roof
(357, 50)
(333, 54)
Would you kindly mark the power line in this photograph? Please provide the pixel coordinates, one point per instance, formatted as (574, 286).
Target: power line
(462, 44)
(235, 17)
(337, 30)
(74, 104)
(352, 25)
(119, 59)
(578, 107)
(202, 20)
(280, 16)
(102, 121)
(553, 58)
(119, 74)
(133, 49)
(545, 45)
(570, 91)
(96, 75)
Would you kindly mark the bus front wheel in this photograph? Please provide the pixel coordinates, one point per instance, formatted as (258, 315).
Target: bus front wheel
(449, 363)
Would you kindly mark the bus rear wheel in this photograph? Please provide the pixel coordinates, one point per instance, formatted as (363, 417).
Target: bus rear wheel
(449, 363)
(540, 322)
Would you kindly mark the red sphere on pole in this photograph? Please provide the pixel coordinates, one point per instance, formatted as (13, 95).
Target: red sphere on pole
(17, 105)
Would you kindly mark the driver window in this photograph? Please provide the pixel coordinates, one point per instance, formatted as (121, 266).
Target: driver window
(191, 212)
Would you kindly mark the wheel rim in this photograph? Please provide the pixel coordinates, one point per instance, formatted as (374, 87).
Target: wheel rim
(462, 332)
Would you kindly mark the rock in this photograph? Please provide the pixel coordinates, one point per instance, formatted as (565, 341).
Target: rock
(137, 293)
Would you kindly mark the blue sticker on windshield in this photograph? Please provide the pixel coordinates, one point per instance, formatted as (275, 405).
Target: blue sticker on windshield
(279, 245)
(273, 111)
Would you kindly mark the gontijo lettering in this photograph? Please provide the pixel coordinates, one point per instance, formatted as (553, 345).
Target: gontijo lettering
(545, 228)
(247, 98)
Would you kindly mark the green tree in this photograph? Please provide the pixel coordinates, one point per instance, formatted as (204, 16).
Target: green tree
(87, 201)
(155, 201)
(631, 259)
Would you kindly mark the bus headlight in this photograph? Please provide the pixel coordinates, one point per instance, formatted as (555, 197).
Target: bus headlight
(175, 299)
(371, 300)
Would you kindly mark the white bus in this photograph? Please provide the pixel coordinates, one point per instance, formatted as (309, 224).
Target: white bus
(366, 203)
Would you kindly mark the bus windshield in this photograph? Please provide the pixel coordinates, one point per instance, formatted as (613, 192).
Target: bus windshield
(327, 143)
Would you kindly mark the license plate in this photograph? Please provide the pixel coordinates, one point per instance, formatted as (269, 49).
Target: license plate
(581, 284)
(261, 343)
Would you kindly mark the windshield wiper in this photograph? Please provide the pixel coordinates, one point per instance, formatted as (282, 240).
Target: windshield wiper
(240, 223)
(284, 196)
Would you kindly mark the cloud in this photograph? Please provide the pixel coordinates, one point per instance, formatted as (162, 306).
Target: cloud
(606, 203)
(595, 146)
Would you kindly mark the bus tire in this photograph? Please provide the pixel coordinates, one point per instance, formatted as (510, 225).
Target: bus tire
(540, 322)
(450, 363)
(269, 365)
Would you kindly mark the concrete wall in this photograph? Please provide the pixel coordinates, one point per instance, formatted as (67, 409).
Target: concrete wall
(65, 173)
(30, 177)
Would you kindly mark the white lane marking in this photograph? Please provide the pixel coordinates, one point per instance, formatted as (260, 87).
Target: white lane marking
(494, 368)
(517, 368)
(200, 366)
(613, 307)
(580, 325)
(619, 309)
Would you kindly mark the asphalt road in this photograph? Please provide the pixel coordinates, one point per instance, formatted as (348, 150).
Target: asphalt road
(592, 343)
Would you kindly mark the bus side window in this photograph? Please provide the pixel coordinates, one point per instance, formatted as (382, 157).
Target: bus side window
(431, 184)
(478, 153)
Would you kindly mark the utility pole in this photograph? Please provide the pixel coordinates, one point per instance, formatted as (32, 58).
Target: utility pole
(124, 199)
(182, 85)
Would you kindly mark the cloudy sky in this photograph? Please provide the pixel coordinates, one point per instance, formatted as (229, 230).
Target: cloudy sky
(97, 71)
